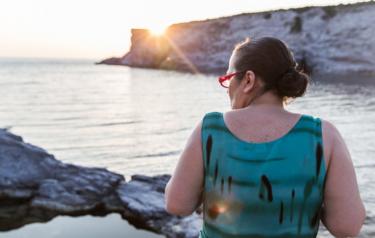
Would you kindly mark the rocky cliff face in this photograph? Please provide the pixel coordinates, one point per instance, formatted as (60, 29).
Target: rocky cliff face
(332, 41)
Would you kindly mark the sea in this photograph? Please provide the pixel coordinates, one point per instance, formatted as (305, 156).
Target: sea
(137, 121)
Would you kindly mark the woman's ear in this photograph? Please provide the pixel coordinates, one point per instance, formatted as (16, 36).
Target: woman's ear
(249, 81)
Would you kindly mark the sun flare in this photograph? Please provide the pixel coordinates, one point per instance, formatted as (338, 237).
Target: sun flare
(157, 30)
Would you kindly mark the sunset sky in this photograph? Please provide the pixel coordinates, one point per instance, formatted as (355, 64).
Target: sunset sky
(97, 29)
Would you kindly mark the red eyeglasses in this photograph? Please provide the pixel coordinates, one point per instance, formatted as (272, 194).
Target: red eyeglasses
(225, 79)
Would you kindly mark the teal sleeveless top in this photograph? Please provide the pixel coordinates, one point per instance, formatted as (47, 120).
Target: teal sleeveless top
(257, 190)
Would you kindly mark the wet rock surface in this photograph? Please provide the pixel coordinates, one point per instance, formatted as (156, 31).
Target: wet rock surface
(36, 187)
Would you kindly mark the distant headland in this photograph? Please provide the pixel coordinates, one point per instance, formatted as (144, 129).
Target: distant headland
(329, 41)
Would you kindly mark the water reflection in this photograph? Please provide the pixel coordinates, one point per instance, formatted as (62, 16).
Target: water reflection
(86, 226)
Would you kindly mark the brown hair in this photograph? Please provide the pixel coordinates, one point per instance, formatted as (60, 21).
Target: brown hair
(271, 60)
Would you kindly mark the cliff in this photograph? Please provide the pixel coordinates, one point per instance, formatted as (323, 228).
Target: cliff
(330, 41)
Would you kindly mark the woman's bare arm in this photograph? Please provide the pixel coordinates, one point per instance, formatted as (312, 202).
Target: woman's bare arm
(343, 211)
(184, 191)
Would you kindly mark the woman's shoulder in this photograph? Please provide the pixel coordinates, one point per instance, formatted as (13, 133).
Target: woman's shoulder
(329, 131)
(331, 137)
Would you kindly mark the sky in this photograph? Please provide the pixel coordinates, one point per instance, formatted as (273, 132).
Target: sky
(96, 29)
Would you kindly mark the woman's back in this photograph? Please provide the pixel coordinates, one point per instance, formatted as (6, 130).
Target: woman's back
(263, 171)
(262, 189)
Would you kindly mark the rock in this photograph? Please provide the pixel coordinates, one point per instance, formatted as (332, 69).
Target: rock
(328, 42)
(111, 61)
(145, 208)
(147, 50)
(35, 187)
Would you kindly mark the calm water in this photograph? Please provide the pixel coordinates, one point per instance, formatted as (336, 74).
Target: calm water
(138, 120)
(111, 226)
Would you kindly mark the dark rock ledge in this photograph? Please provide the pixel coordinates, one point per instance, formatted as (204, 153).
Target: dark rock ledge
(35, 187)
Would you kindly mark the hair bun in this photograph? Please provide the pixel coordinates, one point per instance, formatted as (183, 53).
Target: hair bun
(293, 83)
(272, 60)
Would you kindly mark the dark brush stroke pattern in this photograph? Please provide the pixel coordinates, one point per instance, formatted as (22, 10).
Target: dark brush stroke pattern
(319, 155)
(229, 184)
(265, 183)
(306, 193)
(292, 205)
(208, 150)
(281, 213)
(314, 222)
(216, 172)
(259, 161)
(222, 186)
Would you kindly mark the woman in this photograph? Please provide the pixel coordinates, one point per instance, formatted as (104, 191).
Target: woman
(260, 170)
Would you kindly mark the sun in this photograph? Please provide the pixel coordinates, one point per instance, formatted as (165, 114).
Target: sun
(157, 30)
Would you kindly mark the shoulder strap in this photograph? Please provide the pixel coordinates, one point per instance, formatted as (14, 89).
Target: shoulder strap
(319, 152)
(315, 128)
(210, 126)
(211, 118)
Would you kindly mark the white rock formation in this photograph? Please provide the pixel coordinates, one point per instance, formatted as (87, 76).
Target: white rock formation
(330, 42)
